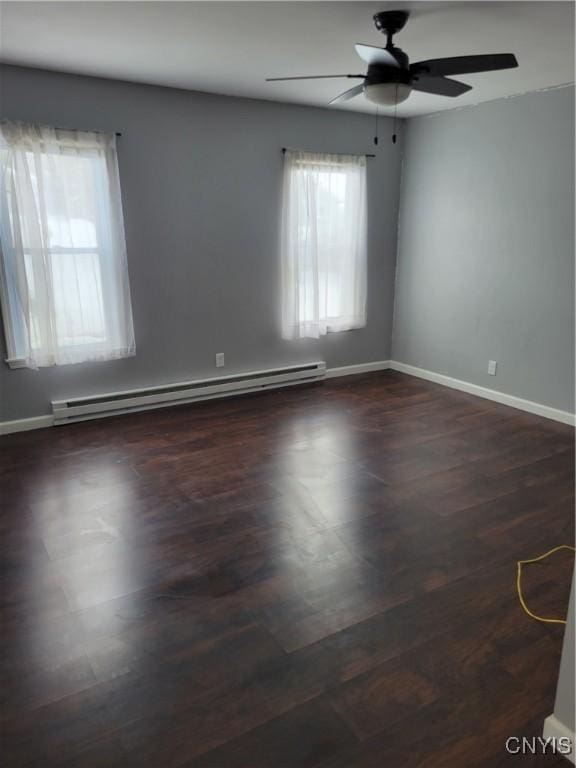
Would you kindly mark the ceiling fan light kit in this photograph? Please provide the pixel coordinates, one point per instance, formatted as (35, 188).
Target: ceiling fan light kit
(387, 94)
(390, 78)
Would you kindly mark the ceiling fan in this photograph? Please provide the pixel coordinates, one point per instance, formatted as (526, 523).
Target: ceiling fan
(391, 78)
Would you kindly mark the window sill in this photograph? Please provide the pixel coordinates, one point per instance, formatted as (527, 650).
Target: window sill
(16, 363)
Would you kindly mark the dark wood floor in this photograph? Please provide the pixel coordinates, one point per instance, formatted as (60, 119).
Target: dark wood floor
(319, 577)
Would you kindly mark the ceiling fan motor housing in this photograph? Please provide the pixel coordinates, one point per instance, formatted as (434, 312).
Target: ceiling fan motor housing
(377, 73)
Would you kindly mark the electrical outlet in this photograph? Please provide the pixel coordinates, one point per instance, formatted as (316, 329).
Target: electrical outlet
(492, 365)
(220, 360)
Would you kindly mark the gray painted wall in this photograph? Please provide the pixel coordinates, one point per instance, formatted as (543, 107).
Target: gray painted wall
(564, 708)
(201, 190)
(486, 246)
(486, 252)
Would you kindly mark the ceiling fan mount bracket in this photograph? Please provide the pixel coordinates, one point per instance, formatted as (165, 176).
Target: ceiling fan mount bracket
(390, 22)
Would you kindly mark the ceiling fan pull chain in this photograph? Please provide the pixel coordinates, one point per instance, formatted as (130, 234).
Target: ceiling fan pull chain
(376, 128)
(395, 114)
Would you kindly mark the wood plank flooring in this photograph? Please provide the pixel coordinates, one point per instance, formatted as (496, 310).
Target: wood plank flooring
(320, 577)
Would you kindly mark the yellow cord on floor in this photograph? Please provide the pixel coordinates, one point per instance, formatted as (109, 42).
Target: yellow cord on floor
(520, 563)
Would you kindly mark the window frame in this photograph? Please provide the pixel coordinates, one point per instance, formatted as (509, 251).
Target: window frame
(305, 318)
(115, 303)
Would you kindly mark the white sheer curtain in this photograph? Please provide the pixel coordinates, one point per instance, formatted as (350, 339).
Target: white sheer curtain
(64, 278)
(323, 250)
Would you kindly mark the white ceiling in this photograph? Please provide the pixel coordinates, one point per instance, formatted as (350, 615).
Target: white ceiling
(230, 47)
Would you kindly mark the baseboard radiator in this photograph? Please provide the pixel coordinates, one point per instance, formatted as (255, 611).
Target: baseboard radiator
(115, 403)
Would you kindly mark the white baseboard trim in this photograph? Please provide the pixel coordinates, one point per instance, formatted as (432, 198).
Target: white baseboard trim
(24, 425)
(489, 394)
(351, 370)
(39, 422)
(555, 729)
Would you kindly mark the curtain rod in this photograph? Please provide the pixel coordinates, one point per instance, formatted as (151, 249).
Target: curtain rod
(288, 149)
(60, 128)
(86, 130)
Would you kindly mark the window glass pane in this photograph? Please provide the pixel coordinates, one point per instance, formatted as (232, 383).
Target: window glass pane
(78, 298)
(69, 205)
(68, 198)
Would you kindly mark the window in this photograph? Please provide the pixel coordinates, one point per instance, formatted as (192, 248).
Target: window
(63, 277)
(323, 244)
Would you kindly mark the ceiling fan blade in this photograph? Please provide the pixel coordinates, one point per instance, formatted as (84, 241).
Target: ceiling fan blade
(310, 77)
(372, 55)
(347, 95)
(441, 86)
(464, 65)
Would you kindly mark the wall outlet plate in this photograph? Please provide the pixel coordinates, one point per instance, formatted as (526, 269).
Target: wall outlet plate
(220, 363)
(492, 366)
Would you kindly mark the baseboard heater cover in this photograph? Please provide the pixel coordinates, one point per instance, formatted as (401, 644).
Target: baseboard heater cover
(115, 403)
